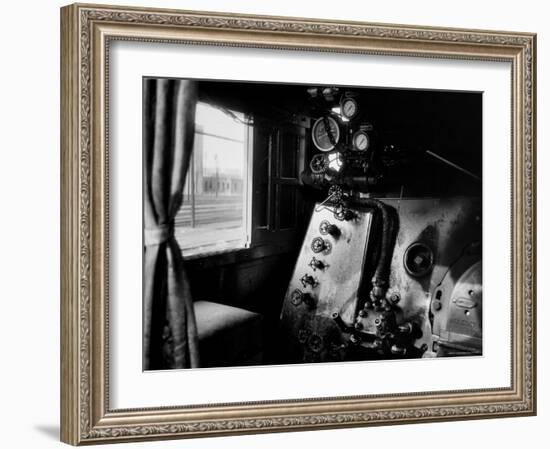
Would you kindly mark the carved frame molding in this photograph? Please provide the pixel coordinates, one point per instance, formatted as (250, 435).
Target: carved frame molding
(86, 33)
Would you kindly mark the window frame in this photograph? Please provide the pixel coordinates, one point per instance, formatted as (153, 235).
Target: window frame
(270, 233)
(215, 248)
(267, 240)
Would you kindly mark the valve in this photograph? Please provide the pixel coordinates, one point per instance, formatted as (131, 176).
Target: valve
(298, 297)
(320, 245)
(394, 298)
(342, 213)
(325, 227)
(307, 279)
(317, 264)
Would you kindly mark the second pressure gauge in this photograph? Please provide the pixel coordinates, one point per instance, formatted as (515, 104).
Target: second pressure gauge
(349, 108)
(360, 141)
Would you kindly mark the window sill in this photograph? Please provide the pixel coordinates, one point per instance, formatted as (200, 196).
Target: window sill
(235, 256)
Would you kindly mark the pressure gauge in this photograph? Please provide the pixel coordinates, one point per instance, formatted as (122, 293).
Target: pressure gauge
(360, 141)
(318, 163)
(325, 133)
(348, 108)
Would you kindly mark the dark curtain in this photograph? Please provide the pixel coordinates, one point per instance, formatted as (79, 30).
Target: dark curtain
(169, 328)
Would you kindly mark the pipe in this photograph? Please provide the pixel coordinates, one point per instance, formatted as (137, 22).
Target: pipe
(380, 280)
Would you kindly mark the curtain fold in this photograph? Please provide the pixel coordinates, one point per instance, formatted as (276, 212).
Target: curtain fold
(169, 327)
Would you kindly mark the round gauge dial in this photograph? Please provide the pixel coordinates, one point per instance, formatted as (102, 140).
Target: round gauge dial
(325, 133)
(361, 141)
(318, 163)
(349, 108)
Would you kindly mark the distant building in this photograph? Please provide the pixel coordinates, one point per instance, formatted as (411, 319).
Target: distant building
(222, 184)
(205, 180)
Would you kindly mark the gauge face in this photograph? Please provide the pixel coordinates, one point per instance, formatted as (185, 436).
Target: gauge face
(349, 108)
(361, 141)
(318, 163)
(325, 133)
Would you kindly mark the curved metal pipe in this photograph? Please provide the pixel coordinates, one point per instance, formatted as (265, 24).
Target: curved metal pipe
(380, 280)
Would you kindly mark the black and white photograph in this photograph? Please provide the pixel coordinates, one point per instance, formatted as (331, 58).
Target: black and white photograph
(294, 223)
(275, 224)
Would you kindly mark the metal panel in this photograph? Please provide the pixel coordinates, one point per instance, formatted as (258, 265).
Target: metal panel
(309, 332)
(451, 228)
(437, 239)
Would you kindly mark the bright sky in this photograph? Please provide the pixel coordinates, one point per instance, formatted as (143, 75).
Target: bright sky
(226, 155)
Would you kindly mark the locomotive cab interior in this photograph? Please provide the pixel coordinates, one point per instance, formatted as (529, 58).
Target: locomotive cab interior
(327, 224)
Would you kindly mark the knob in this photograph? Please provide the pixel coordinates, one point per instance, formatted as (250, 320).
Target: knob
(395, 298)
(315, 342)
(342, 213)
(327, 228)
(320, 245)
(307, 279)
(296, 297)
(317, 264)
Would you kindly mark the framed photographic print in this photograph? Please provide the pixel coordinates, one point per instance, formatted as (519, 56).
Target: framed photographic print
(280, 224)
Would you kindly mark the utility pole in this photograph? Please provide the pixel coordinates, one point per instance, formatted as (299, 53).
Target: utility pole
(193, 190)
(217, 175)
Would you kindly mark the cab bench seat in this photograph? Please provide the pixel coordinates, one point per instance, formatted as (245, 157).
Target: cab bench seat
(228, 336)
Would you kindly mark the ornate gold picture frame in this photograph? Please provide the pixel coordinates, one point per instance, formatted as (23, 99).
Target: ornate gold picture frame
(87, 32)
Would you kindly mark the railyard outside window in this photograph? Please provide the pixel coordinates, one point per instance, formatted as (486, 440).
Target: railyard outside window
(216, 209)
